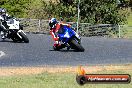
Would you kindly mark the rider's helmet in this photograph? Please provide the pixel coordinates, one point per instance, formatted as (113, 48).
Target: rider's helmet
(52, 22)
(2, 11)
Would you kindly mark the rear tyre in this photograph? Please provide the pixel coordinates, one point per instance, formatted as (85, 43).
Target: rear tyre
(24, 37)
(77, 46)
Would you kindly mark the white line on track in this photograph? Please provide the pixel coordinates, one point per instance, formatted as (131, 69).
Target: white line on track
(2, 53)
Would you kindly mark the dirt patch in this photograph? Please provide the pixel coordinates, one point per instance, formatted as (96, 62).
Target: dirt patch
(9, 71)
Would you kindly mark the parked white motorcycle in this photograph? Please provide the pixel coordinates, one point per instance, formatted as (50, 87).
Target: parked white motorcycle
(13, 30)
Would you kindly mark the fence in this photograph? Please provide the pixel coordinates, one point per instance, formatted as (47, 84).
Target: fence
(35, 25)
(85, 29)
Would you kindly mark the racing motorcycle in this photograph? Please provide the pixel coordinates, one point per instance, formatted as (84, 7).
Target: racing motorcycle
(14, 30)
(70, 38)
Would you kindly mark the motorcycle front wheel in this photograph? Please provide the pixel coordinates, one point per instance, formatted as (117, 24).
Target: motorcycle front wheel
(74, 44)
(24, 37)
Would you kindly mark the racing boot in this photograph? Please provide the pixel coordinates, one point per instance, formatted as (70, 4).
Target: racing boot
(62, 46)
(56, 47)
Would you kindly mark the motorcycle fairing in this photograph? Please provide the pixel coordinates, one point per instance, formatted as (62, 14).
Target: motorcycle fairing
(67, 34)
(13, 24)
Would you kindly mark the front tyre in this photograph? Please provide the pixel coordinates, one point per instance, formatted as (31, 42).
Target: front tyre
(74, 44)
(24, 37)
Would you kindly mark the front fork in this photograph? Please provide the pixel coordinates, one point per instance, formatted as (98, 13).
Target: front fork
(77, 37)
(19, 34)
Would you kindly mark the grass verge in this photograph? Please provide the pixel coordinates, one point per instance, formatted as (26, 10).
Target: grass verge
(62, 79)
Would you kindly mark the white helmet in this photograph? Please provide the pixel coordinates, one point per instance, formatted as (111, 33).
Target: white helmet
(52, 22)
(2, 11)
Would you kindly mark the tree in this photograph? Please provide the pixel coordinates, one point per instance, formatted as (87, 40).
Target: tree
(101, 11)
(67, 2)
(91, 11)
(58, 10)
(16, 7)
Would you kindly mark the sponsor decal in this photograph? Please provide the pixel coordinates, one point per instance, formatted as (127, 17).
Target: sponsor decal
(83, 78)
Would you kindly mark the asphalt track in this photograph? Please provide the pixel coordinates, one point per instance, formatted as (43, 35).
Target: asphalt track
(39, 52)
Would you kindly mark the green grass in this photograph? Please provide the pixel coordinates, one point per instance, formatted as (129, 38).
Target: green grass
(126, 32)
(129, 19)
(54, 80)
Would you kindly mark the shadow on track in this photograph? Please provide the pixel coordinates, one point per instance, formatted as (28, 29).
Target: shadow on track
(64, 50)
(6, 41)
(10, 41)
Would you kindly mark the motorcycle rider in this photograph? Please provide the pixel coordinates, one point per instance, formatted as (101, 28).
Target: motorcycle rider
(5, 16)
(55, 26)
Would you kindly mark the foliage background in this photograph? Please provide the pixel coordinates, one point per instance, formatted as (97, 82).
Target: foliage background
(91, 11)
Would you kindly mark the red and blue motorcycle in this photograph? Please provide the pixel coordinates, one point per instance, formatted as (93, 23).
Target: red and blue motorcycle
(70, 38)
